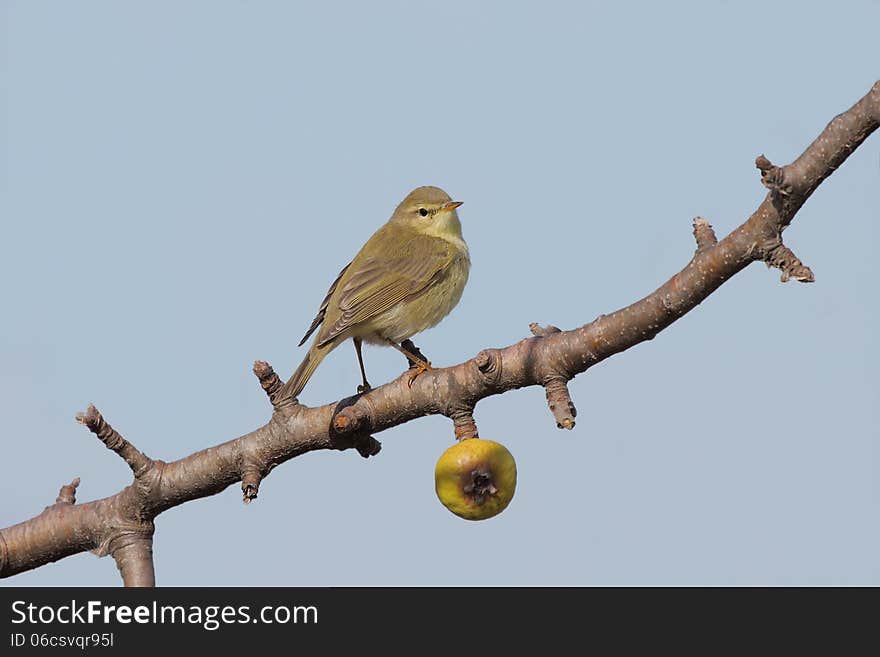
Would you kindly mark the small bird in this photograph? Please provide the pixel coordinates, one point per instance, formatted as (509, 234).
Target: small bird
(407, 277)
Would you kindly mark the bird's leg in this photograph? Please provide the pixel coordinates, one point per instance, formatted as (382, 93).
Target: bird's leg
(417, 361)
(414, 354)
(366, 387)
(415, 357)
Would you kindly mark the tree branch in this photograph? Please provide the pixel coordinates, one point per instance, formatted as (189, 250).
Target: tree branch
(134, 559)
(137, 461)
(122, 525)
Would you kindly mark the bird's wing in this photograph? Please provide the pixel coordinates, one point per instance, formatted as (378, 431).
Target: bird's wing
(322, 311)
(375, 285)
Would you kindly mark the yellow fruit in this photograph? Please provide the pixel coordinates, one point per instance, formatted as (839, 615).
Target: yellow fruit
(475, 478)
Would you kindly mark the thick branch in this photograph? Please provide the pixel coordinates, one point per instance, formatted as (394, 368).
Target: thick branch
(59, 531)
(122, 524)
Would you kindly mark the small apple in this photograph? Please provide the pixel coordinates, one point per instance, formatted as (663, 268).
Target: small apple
(475, 478)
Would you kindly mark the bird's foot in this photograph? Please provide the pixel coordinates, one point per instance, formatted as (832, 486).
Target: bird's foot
(416, 370)
(414, 355)
(364, 387)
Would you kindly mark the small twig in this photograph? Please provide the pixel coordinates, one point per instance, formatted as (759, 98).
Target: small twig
(560, 403)
(543, 331)
(366, 445)
(270, 383)
(465, 427)
(704, 234)
(350, 419)
(136, 460)
(250, 485)
(351, 426)
(67, 494)
(488, 362)
(785, 260)
(772, 176)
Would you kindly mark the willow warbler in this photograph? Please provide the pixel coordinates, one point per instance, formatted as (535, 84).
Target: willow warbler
(407, 277)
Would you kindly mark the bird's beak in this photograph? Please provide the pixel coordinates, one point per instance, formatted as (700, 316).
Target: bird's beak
(449, 207)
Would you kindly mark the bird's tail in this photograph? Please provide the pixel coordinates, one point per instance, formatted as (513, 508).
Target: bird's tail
(304, 372)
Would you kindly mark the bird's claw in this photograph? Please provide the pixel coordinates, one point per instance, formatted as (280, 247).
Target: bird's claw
(364, 387)
(416, 370)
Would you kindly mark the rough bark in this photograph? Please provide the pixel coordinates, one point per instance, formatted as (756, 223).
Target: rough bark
(122, 525)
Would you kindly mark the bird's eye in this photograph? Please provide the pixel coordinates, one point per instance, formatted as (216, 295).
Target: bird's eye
(423, 212)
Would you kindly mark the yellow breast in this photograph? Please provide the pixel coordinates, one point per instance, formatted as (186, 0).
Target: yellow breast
(414, 315)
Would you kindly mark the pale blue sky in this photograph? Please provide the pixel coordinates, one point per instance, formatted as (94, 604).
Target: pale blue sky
(183, 180)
